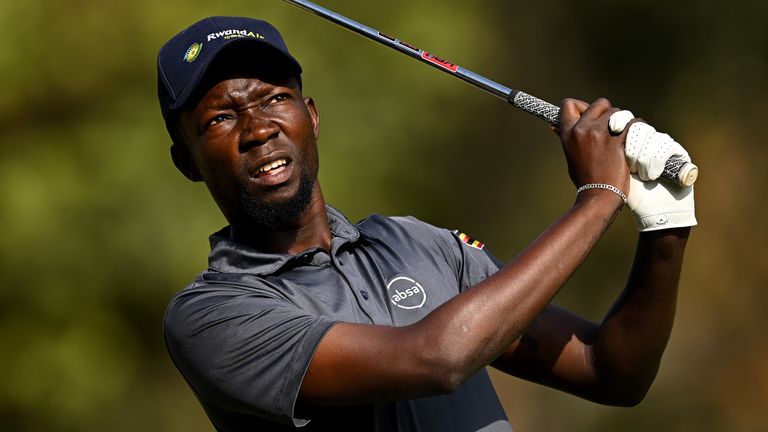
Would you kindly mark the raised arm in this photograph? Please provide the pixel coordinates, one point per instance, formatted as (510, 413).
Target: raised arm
(613, 362)
(360, 363)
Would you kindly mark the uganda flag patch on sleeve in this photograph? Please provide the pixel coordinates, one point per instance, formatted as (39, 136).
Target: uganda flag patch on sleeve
(468, 240)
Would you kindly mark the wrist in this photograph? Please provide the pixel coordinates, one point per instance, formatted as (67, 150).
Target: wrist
(605, 199)
(664, 244)
(604, 186)
(668, 237)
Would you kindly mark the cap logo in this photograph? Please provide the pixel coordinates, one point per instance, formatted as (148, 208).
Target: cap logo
(192, 52)
(229, 34)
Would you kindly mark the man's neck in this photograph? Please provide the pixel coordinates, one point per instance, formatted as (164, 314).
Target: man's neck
(310, 230)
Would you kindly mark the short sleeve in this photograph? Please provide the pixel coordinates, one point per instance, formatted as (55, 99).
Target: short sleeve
(471, 260)
(475, 262)
(242, 350)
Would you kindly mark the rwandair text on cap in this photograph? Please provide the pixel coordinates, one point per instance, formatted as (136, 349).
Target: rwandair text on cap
(229, 34)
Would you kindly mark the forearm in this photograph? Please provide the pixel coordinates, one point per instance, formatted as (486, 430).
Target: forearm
(630, 341)
(475, 328)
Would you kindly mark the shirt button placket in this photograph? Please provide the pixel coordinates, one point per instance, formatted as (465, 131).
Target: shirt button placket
(349, 277)
(363, 293)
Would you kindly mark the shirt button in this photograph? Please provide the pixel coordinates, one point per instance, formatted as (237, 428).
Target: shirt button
(341, 263)
(364, 294)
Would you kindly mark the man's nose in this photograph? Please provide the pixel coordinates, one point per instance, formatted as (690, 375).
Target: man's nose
(258, 130)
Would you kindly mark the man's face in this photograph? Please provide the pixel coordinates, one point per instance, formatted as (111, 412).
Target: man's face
(252, 138)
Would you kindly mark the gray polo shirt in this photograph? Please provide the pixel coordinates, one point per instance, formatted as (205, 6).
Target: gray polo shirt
(244, 332)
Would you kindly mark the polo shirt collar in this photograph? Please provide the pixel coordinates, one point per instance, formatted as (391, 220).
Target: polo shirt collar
(228, 256)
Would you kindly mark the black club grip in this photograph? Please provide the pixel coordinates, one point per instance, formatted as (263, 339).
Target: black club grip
(676, 169)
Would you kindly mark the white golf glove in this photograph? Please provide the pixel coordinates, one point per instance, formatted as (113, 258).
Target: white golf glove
(647, 150)
(658, 205)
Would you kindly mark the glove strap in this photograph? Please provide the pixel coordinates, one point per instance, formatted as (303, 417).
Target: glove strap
(611, 188)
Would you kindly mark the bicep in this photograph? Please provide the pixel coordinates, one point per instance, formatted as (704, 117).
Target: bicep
(358, 363)
(554, 351)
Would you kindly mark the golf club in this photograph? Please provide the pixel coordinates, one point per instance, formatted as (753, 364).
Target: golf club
(676, 169)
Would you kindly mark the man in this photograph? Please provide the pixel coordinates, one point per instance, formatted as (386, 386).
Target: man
(305, 319)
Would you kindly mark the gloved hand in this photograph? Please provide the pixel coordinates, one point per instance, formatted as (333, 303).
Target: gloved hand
(647, 150)
(658, 205)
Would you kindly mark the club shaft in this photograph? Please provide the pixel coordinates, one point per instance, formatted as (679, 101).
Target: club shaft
(477, 80)
(674, 169)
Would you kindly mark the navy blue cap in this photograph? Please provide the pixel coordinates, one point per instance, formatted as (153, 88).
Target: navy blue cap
(183, 60)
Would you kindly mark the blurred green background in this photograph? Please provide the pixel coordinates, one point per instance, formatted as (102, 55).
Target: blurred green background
(99, 230)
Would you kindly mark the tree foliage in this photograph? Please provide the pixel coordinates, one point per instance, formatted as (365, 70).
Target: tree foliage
(99, 230)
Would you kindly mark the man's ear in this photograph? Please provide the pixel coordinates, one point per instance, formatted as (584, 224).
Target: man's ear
(182, 158)
(314, 114)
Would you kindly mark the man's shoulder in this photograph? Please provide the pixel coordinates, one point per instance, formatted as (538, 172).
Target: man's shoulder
(220, 285)
(211, 288)
(409, 233)
(377, 223)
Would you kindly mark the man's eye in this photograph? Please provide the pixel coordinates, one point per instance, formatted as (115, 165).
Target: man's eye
(217, 119)
(279, 97)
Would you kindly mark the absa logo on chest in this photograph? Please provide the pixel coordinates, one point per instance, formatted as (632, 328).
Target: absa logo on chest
(406, 293)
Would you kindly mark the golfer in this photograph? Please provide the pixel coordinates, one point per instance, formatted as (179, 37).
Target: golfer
(304, 319)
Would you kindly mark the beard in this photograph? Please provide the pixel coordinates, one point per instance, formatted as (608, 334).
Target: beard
(281, 214)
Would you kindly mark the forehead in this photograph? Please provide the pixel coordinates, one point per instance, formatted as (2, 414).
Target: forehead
(240, 87)
(256, 64)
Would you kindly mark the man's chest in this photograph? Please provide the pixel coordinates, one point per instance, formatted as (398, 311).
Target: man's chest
(373, 283)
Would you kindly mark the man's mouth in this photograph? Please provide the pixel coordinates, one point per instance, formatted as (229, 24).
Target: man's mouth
(271, 168)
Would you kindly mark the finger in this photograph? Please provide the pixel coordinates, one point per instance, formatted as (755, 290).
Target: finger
(598, 108)
(570, 112)
(619, 120)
